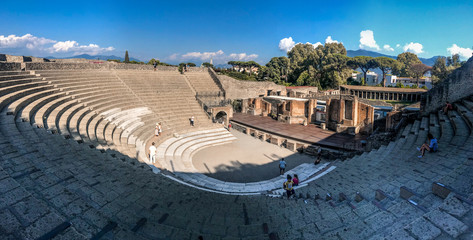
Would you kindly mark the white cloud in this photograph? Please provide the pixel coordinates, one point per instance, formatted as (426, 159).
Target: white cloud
(330, 40)
(243, 56)
(413, 48)
(173, 56)
(314, 44)
(217, 57)
(286, 44)
(202, 56)
(386, 47)
(398, 45)
(73, 46)
(28, 43)
(367, 40)
(465, 53)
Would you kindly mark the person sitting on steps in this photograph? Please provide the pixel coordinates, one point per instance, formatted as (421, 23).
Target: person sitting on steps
(431, 147)
(295, 179)
(447, 108)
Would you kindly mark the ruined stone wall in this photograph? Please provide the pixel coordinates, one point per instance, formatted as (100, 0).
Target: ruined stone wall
(10, 66)
(21, 59)
(456, 87)
(236, 89)
(365, 117)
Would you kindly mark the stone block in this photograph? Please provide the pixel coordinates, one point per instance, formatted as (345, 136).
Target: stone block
(276, 141)
(328, 197)
(405, 193)
(423, 230)
(446, 222)
(453, 206)
(379, 195)
(358, 197)
(440, 190)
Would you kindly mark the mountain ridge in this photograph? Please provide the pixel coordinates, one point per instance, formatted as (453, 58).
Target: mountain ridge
(361, 52)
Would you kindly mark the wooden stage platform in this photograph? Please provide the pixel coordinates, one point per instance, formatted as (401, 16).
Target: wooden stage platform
(310, 134)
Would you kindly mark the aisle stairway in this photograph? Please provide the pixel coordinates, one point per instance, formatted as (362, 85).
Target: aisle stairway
(57, 186)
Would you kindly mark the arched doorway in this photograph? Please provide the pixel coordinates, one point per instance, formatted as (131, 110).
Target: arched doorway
(222, 118)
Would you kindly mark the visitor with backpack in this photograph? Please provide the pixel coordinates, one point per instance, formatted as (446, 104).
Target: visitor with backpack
(282, 166)
(288, 186)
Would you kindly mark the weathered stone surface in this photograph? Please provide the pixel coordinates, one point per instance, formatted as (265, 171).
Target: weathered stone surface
(9, 223)
(453, 206)
(446, 222)
(423, 229)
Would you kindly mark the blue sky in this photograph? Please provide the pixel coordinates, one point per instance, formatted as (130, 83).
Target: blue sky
(176, 31)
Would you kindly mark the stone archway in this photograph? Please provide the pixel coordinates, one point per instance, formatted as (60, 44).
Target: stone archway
(220, 114)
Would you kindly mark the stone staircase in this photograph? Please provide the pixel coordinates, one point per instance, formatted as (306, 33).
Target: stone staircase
(56, 186)
(202, 82)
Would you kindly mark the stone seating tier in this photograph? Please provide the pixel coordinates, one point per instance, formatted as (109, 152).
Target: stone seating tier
(52, 185)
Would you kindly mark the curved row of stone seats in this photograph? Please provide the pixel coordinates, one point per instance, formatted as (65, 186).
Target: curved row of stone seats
(169, 95)
(389, 216)
(95, 195)
(202, 82)
(171, 151)
(60, 114)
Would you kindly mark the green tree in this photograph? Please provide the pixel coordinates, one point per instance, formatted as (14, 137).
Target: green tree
(386, 65)
(418, 70)
(207, 64)
(364, 63)
(439, 70)
(275, 70)
(127, 59)
(190, 64)
(454, 61)
(406, 60)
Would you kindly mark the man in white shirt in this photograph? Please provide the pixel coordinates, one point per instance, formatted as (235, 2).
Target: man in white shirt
(152, 153)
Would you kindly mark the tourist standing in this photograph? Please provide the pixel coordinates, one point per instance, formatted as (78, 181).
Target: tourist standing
(319, 156)
(160, 128)
(192, 121)
(288, 186)
(156, 130)
(155, 65)
(282, 166)
(152, 153)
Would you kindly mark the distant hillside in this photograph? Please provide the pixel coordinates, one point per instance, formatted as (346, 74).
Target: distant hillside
(99, 57)
(361, 52)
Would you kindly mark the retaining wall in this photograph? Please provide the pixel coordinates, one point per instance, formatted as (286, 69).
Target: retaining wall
(457, 86)
(10, 66)
(237, 89)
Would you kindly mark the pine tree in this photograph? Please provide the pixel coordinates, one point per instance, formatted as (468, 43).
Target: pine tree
(127, 59)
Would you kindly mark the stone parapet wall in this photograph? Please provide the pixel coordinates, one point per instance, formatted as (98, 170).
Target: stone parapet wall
(456, 87)
(20, 59)
(237, 89)
(98, 65)
(196, 69)
(10, 66)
